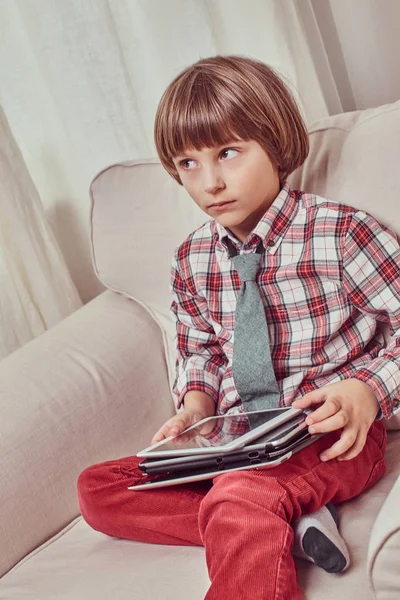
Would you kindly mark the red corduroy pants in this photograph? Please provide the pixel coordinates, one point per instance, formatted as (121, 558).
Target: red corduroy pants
(243, 518)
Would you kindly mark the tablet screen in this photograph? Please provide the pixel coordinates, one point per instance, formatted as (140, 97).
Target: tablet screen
(228, 427)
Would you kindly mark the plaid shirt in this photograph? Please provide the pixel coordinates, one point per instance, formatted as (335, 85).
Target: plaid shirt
(329, 279)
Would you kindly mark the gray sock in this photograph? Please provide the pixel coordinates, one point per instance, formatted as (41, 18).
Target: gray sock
(317, 539)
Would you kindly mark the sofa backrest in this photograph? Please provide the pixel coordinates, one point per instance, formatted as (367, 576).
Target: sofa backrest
(139, 214)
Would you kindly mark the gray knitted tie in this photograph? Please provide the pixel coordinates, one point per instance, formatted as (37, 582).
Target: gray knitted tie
(252, 368)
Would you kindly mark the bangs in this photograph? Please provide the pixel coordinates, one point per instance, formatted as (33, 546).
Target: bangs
(203, 119)
(223, 99)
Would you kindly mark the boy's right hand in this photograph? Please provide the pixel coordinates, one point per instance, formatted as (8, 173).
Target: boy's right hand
(182, 421)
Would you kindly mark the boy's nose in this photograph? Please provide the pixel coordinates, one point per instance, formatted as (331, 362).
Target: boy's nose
(213, 183)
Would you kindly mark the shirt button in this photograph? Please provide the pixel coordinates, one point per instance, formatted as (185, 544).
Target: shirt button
(271, 243)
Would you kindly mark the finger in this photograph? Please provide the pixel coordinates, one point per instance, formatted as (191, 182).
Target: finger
(328, 409)
(315, 397)
(346, 441)
(168, 429)
(355, 449)
(159, 437)
(184, 436)
(336, 421)
(183, 439)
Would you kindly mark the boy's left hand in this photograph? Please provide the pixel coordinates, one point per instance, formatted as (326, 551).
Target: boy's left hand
(349, 404)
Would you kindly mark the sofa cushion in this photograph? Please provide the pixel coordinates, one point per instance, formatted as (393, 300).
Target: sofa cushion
(76, 395)
(139, 214)
(82, 563)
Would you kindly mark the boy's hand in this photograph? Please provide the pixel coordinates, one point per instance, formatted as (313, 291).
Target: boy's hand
(350, 404)
(182, 421)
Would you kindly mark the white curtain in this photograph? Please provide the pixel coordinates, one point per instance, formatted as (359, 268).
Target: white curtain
(36, 290)
(80, 82)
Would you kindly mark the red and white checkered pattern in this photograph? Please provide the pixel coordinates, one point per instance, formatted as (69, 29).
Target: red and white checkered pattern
(329, 279)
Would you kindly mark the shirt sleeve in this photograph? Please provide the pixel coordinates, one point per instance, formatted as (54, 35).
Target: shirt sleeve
(201, 361)
(371, 277)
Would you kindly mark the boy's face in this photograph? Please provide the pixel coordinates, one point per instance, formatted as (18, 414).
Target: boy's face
(240, 173)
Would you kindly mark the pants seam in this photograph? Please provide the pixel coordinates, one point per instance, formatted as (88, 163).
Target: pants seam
(284, 544)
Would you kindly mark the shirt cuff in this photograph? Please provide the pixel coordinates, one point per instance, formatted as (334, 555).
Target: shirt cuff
(197, 380)
(387, 406)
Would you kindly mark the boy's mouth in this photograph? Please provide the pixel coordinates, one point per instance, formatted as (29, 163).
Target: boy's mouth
(221, 205)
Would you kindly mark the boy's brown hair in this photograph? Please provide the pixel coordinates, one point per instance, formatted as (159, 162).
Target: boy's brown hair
(218, 99)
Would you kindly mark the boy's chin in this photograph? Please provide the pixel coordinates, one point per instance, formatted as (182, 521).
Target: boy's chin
(226, 222)
(227, 218)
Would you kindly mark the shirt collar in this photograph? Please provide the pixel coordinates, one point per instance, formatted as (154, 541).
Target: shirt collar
(272, 226)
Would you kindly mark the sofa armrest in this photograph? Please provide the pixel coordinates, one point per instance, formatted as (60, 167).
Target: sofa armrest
(92, 388)
(384, 548)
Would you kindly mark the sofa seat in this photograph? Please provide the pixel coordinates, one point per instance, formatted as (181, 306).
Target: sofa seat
(82, 564)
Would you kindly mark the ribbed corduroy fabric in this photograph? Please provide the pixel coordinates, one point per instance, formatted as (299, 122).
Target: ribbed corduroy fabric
(243, 518)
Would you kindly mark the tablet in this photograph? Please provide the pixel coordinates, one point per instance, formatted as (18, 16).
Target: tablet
(279, 438)
(215, 461)
(209, 472)
(191, 441)
(206, 473)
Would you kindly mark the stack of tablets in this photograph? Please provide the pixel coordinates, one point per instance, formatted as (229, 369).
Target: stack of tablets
(189, 457)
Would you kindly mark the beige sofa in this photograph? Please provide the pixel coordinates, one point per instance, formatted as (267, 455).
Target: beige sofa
(98, 385)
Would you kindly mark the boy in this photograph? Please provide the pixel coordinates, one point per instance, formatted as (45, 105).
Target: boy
(229, 131)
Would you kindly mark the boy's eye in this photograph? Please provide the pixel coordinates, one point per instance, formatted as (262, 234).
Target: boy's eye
(184, 163)
(225, 150)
